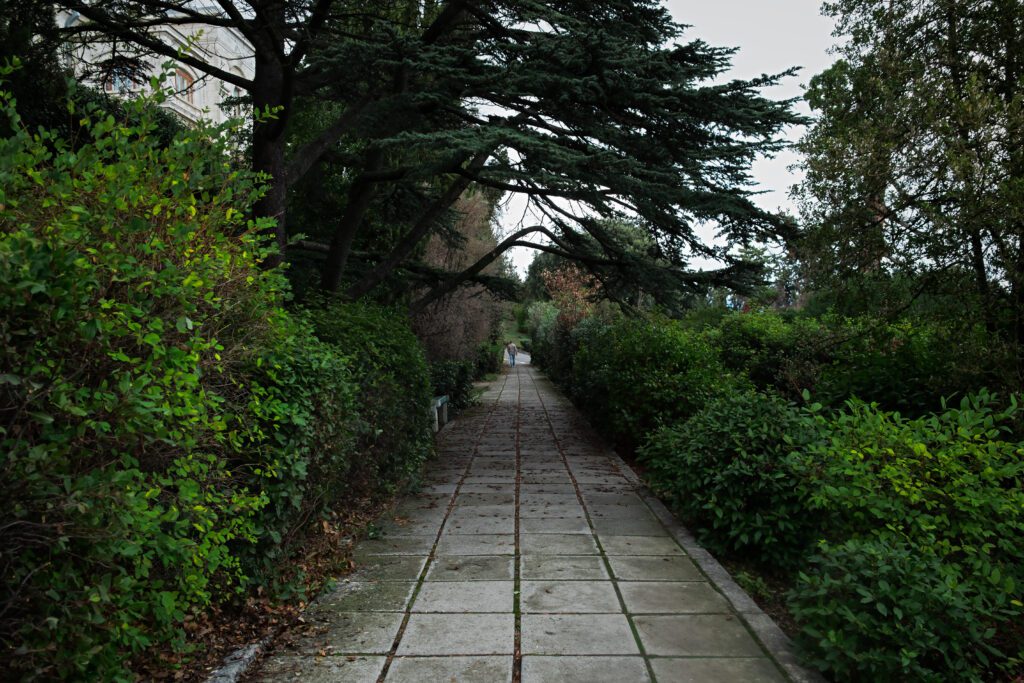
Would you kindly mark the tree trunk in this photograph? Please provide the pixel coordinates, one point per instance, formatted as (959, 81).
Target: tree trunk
(268, 145)
(359, 197)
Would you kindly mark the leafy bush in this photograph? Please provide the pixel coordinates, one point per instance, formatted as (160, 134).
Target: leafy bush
(453, 379)
(633, 375)
(937, 502)
(394, 390)
(726, 471)
(168, 428)
(881, 609)
(947, 481)
(488, 359)
(305, 421)
(908, 366)
(782, 354)
(542, 318)
(131, 304)
(522, 318)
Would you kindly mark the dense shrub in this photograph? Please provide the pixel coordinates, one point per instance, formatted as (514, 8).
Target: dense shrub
(944, 497)
(128, 317)
(908, 366)
(394, 390)
(167, 427)
(488, 359)
(305, 414)
(884, 609)
(453, 379)
(726, 470)
(542, 318)
(781, 354)
(633, 375)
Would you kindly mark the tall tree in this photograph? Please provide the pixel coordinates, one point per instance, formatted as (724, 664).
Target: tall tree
(592, 108)
(916, 164)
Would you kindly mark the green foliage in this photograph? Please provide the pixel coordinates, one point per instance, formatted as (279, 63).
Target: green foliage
(131, 299)
(488, 359)
(169, 429)
(726, 471)
(633, 375)
(393, 389)
(880, 609)
(906, 142)
(522, 318)
(542, 317)
(775, 352)
(305, 418)
(908, 366)
(453, 379)
(934, 512)
(948, 482)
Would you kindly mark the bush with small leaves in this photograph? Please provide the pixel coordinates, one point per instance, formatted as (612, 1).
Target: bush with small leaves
(929, 514)
(454, 379)
(131, 302)
(884, 609)
(393, 398)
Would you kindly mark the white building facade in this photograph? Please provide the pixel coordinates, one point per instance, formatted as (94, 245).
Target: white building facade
(195, 95)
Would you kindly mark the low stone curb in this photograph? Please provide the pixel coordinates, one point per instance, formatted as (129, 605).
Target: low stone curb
(237, 663)
(772, 638)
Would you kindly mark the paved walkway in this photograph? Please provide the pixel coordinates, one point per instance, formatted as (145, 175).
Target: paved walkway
(528, 556)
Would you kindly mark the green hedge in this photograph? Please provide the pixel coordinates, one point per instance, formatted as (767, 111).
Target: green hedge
(454, 379)
(633, 375)
(726, 470)
(168, 428)
(890, 522)
(905, 535)
(393, 395)
(908, 366)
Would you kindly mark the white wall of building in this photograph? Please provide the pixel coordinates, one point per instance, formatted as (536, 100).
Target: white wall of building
(196, 95)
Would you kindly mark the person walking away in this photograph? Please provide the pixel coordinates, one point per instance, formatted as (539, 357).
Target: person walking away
(511, 349)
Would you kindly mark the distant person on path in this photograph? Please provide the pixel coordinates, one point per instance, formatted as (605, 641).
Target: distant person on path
(512, 351)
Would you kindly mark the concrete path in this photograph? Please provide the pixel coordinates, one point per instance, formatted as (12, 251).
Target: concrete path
(530, 556)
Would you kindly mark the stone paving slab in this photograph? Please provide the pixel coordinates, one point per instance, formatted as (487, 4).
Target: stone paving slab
(451, 669)
(540, 669)
(718, 670)
(531, 553)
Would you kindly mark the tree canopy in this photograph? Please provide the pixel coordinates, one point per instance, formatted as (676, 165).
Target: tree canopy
(592, 109)
(915, 167)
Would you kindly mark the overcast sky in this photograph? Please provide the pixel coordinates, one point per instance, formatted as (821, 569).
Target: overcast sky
(772, 35)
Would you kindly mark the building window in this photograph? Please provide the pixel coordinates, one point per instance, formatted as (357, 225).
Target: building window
(120, 80)
(183, 83)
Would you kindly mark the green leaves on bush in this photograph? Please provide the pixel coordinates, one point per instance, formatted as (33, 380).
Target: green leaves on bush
(168, 428)
(727, 471)
(907, 534)
(633, 375)
(393, 396)
(938, 504)
(884, 609)
(131, 299)
(453, 379)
